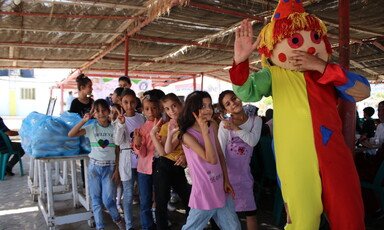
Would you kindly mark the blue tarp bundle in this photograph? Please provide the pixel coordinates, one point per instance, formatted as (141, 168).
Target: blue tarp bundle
(47, 136)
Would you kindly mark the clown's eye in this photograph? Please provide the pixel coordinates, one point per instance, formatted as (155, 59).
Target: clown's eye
(296, 41)
(315, 37)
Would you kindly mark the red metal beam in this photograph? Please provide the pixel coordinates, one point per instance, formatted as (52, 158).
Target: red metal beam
(224, 11)
(347, 110)
(69, 16)
(172, 41)
(132, 77)
(48, 44)
(43, 60)
(105, 52)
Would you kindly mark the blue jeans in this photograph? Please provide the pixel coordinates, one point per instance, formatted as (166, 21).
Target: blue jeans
(145, 191)
(225, 217)
(127, 202)
(102, 191)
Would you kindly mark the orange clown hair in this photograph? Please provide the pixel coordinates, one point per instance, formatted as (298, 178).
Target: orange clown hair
(277, 30)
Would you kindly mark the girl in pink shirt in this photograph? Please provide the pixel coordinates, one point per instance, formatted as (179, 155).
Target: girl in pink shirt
(148, 157)
(207, 166)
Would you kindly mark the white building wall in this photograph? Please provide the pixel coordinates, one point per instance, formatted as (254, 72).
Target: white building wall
(24, 107)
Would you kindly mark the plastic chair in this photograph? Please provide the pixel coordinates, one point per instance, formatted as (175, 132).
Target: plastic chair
(4, 157)
(378, 184)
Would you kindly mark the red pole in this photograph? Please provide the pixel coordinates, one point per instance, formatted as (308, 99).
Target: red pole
(126, 56)
(347, 110)
(62, 99)
(194, 83)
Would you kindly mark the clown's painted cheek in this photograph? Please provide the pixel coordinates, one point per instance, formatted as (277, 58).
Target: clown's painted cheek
(282, 57)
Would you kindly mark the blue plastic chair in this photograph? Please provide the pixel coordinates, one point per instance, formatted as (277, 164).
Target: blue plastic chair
(378, 184)
(4, 157)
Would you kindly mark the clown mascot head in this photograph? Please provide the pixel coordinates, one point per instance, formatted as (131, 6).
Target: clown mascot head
(315, 167)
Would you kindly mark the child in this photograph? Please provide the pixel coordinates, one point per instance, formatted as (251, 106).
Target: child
(170, 167)
(237, 136)
(116, 96)
(125, 126)
(143, 147)
(116, 100)
(125, 82)
(101, 163)
(207, 166)
(82, 104)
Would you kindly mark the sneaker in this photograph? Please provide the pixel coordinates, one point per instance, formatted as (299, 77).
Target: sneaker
(121, 224)
(119, 209)
(154, 215)
(170, 207)
(8, 171)
(135, 200)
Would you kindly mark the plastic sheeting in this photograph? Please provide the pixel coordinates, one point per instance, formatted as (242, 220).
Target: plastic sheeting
(47, 136)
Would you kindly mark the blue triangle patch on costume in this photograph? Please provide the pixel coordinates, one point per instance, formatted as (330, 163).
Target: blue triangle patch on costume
(325, 134)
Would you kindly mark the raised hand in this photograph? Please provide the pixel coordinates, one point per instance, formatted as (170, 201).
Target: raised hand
(227, 123)
(156, 127)
(89, 115)
(120, 116)
(172, 127)
(304, 61)
(244, 45)
(201, 121)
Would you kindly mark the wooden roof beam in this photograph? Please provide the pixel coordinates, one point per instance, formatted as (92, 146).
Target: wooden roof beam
(93, 3)
(224, 11)
(172, 41)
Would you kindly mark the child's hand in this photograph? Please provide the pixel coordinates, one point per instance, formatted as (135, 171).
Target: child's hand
(244, 45)
(201, 121)
(305, 61)
(181, 160)
(120, 116)
(156, 127)
(172, 127)
(137, 137)
(89, 115)
(227, 123)
(228, 189)
(116, 176)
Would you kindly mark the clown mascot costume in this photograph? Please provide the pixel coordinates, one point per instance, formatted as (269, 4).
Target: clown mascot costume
(315, 167)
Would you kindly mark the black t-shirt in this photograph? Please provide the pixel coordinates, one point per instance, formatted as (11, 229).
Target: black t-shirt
(3, 128)
(80, 108)
(369, 128)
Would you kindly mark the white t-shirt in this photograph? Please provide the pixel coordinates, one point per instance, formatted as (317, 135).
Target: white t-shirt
(123, 138)
(250, 137)
(102, 143)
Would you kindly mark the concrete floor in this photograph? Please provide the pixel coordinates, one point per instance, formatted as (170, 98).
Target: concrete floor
(18, 211)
